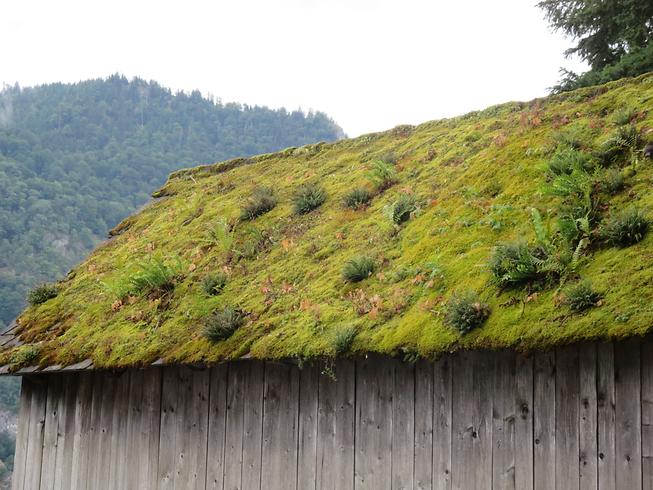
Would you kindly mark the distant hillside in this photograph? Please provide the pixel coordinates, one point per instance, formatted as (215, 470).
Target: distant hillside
(75, 159)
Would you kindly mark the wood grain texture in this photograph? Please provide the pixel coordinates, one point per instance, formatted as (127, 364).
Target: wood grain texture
(605, 413)
(373, 463)
(336, 428)
(580, 417)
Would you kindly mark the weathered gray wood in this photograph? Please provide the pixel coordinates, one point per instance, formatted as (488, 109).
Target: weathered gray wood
(216, 431)
(253, 426)
(167, 461)
(102, 445)
(22, 434)
(424, 402)
(503, 421)
(307, 443)
(119, 456)
(280, 422)
(628, 442)
(463, 430)
(647, 414)
(82, 432)
(544, 423)
(443, 423)
(66, 434)
(482, 421)
(524, 423)
(567, 415)
(233, 457)
(605, 402)
(373, 462)
(50, 433)
(130, 478)
(190, 428)
(587, 425)
(403, 426)
(37, 416)
(336, 428)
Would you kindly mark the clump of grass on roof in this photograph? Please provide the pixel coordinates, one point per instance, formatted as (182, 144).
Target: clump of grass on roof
(308, 198)
(626, 228)
(357, 198)
(465, 311)
(214, 283)
(261, 201)
(41, 293)
(517, 263)
(581, 296)
(358, 269)
(154, 276)
(219, 234)
(383, 175)
(624, 116)
(24, 355)
(402, 209)
(343, 340)
(565, 160)
(612, 181)
(223, 323)
(618, 147)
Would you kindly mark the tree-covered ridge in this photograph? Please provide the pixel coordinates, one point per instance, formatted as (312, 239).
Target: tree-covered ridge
(75, 159)
(524, 226)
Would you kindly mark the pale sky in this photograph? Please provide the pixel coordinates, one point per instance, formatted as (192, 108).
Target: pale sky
(369, 64)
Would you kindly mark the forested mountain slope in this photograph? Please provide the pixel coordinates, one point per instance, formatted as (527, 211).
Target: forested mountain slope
(75, 159)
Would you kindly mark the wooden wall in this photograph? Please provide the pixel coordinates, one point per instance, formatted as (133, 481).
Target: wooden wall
(577, 418)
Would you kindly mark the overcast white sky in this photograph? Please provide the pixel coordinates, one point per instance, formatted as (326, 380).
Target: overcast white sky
(370, 64)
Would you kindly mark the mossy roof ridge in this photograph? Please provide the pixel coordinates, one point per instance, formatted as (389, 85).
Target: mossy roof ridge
(475, 179)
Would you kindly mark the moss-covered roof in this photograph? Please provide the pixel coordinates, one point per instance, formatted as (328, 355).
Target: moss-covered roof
(475, 180)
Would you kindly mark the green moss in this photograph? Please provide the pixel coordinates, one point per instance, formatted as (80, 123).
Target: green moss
(476, 178)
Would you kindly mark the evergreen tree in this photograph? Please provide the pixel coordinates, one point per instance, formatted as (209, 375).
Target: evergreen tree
(613, 36)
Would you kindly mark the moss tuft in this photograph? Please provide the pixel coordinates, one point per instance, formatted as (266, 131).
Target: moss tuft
(42, 293)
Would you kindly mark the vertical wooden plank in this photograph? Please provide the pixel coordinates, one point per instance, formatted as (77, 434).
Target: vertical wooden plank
(308, 409)
(82, 432)
(216, 432)
(503, 422)
(50, 432)
(443, 398)
(374, 382)
(135, 420)
(463, 431)
(403, 426)
(647, 413)
(66, 435)
(191, 445)
(588, 418)
(101, 455)
(336, 427)
(182, 473)
(628, 442)
(22, 434)
(605, 403)
(233, 457)
(143, 430)
(567, 414)
(280, 420)
(167, 460)
(524, 423)
(253, 426)
(118, 441)
(483, 406)
(424, 401)
(36, 429)
(544, 412)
